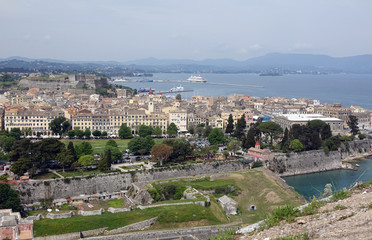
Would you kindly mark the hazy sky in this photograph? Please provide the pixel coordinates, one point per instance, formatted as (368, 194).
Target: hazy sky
(124, 30)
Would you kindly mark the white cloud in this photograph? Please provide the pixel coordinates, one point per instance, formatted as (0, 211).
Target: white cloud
(255, 47)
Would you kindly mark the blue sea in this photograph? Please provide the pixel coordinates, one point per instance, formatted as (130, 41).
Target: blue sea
(309, 185)
(347, 89)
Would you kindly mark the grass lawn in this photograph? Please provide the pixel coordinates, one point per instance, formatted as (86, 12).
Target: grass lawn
(166, 216)
(99, 144)
(256, 188)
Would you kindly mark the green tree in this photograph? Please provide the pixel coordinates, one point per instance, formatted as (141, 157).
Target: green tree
(352, 122)
(86, 160)
(138, 143)
(16, 133)
(59, 125)
(111, 143)
(206, 131)
(181, 148)
(157, 132)
(230, 125)
(84, 148)
(178, 97)
(9, 198)
(6, 142)
(296, 145)
(249, 140)
(87, 133)
(145, 130)
(125, 131)
(240, 126)
(285, 139)
(65, 159)
(71, 133)
(79, 133)
(172, 130)
(216, 136)
(272, 129)
(104, 134)
(71, 148)
(97, 133)
(234, 145)
(26, 132)
(105, 163)
(115, 153)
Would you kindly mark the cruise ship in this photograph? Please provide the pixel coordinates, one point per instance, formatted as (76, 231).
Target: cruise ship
(198, 79)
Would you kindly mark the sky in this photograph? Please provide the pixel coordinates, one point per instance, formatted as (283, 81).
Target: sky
(122, 30)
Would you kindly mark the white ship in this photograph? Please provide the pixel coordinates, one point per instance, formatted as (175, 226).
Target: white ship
(198, 79)
(176, 89)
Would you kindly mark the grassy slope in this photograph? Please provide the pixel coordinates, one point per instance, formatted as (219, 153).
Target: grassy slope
(167, 215)
(256, 189)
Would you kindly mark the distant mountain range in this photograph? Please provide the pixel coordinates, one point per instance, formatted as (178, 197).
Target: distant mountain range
(283, 62)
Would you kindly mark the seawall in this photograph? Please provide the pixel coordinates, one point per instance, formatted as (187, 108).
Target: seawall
(318, 160)
(38, 190)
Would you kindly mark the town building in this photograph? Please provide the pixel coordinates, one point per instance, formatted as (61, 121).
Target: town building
(288, 120)
(13, 227)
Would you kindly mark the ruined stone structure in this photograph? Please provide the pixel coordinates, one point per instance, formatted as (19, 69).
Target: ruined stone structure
(34, 191)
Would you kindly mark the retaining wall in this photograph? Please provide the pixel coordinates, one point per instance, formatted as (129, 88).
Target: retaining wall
(318, 160)
(37, 190)
(133, 227)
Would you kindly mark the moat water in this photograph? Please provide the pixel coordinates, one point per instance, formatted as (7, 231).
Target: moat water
(348, 89)
(309, 185)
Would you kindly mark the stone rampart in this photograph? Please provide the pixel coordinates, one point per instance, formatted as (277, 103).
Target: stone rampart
(36, 190)
(117, 210)
(91, 213)
(318, 160)
(133, 227)
(67, 236)
(60, 215)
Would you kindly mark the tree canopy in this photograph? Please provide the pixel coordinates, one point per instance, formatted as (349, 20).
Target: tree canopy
(352, 122)
(125, 131)
(59, 125)
(9, 198)
(161, 153)
(172, 130)
(145, 130)
(230, 125)
(272, 129)
(216, 136)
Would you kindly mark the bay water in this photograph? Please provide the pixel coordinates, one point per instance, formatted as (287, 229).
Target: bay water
(312, 184)
(348, 89)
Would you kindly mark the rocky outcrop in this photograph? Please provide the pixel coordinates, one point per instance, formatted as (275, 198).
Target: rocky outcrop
(349, 218)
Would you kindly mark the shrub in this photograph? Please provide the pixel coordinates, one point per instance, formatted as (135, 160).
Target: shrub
(66, 180)
(287, 212)
(339, 207)
(225, 190)
(341, 195)
(313, 207)
(257, 164)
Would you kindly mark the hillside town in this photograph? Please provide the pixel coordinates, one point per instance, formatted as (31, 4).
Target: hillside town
(205, 154)
(34, 108)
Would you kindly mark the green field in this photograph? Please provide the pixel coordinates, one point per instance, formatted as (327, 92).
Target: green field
(99, 144)
(254, 187)
(166, 215)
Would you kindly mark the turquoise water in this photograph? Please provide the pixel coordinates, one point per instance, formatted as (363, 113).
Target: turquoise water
(348, 89)
(309, 185)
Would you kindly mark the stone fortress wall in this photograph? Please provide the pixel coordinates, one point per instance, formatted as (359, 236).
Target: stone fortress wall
(318, 160)
(295, 163)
